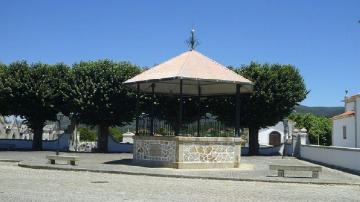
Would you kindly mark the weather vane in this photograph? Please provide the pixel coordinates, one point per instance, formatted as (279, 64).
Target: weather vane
(192, 41)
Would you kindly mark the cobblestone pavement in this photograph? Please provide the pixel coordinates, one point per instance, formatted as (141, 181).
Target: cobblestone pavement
(22, 184)
(252, 168)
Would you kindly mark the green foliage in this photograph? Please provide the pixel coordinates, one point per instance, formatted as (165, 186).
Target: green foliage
(32, 91)
(167, 109)
(116, 133)
(161, 131)
(4, 106)
(87, 134)
(319, 128)
(91, 92)
(96, 95)
(277, 90)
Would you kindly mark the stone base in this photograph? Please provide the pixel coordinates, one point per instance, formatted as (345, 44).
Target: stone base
(187, 152)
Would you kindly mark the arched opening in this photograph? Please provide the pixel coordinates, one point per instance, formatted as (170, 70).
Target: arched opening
(274, 138)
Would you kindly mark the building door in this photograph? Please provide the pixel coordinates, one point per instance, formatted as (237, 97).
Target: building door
(274, 138)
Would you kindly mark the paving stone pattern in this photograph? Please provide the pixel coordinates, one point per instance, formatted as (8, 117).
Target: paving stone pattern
(251, 168)
(23, 184)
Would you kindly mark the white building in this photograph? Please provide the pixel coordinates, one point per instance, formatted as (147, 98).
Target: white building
(128, 137)
(12, 127)
(50, 131)
(346, 126)
(274, 135)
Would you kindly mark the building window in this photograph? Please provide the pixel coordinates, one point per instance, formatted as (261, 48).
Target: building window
(344, 132)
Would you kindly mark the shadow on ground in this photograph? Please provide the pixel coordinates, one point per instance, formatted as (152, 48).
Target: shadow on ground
(252, 168)
(129, 162)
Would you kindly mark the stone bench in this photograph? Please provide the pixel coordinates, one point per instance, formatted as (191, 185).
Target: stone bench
(281, 168)
(71, 159)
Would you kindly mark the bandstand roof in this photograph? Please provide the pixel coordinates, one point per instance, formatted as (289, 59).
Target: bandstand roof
(195, 70)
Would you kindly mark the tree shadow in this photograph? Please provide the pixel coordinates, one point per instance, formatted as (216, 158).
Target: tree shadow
(129, 162)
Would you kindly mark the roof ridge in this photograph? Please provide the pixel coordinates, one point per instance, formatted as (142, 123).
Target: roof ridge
(222, 66)
(181, 69)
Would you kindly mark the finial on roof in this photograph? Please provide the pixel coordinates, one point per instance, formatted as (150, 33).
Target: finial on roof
(192, 41)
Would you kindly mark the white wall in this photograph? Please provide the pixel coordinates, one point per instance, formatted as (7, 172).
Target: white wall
(337, 134)
(357, 115)
(265, 132)
(349, 106)
(342, 157)
(264, 137)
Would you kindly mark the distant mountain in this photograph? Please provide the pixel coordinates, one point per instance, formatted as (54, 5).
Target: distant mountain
(320, 111)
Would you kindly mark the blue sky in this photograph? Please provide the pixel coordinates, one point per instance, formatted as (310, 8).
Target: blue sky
(321, 38)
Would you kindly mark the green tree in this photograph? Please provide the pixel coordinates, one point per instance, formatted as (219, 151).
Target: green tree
(4, 109)
(319, 128)
(116, 133)
(87, 134)
(277, 90)
(167, 109)
(97, 96)
(32, 92)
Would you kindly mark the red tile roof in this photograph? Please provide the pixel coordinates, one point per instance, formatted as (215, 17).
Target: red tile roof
(344, 115)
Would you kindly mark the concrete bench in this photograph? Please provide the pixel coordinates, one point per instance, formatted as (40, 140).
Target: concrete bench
(281, 168)
(71, 159)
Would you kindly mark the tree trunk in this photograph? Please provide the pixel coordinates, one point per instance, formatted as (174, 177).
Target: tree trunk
(72, 129)
(37, 139)
(103, 138)
(253, 141)
(176, 129)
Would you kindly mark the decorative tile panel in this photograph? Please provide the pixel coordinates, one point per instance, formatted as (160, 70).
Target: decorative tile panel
(156, 150)
(208, 152)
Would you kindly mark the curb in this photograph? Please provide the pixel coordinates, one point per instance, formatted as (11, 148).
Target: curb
(9, 160)
(46, 167)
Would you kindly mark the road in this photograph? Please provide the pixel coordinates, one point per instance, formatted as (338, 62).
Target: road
(24, 184)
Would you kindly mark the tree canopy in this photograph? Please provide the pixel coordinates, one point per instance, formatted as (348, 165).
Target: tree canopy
(87, 134)
(32, 92)
(167, 109)
(4, 106)
(93, 93)
(96, 95)
(277, 90)
(319, 128)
